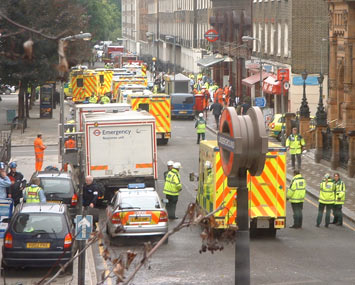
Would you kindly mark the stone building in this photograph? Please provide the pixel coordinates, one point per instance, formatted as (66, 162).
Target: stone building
(291, 34)
(130, 24)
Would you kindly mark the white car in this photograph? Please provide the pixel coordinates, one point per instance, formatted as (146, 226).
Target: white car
(136, 211)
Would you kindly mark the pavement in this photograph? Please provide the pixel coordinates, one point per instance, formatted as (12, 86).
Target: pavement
(313, 174)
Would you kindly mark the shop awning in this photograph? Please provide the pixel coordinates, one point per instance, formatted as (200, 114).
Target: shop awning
(255, 78)
(210, 60)
(272, 86)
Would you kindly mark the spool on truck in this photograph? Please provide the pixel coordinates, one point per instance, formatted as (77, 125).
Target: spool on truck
(119, 149)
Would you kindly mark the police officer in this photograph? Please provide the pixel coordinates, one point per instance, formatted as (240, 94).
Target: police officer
(200, 126)
(172, 189)
(169, 164)
(4, 181)
(17, 183)
(208, 180)
(339, 200)
(105, 99)
(34, 193)
(295, 143)
(90, 192)
(93, 99)
(296, 194)
(326, 199)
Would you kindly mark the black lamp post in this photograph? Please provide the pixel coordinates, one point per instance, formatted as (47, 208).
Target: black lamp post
(304, 109)
(321, 114)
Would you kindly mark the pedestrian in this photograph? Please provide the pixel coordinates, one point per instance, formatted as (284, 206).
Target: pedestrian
(4, 181)
(172, 189)
(216, 109)
(339, 200)
(326, 199)
(105, 99)
(39, 152)
(245, 107)
(17, 183)
(295, 143)
(91, 192)
(70, 146)
(296, 194)
(169, 164)
(200, 127)
(34, 193)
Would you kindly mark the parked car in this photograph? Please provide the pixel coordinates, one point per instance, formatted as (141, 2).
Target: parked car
(39, 235)
(59, 187)
(7, 89)
(182, 105)
(277, 121)
(136, 211)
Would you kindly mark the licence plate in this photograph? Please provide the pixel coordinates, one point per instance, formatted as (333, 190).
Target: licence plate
(140, 219)
(54, 201)
(38, 245)
(182, 112)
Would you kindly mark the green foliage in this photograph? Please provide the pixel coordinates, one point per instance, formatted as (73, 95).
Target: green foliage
(104, 19)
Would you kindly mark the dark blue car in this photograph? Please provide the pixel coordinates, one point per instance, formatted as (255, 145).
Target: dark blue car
(39, 235)
(182, 105)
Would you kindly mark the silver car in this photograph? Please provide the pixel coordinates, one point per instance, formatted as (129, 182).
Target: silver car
(136, 211)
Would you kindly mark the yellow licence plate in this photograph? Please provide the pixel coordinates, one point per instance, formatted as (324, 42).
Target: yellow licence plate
(139, 219)
(54, 201)
(38, 245)
(182, 112)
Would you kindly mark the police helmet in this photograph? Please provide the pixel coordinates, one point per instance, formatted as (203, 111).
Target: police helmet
(177, 165)
(2, 165)
(170, 163)
(200, 115)
(13, 164)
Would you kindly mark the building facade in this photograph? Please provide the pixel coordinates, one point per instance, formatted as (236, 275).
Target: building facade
(293, 35)
(130, 24)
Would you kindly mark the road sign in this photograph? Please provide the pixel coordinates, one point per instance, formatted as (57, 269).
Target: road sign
(286, 85)
(260, 102)
(211, 35)
(6, 209)
(83, 227)
(283, 74)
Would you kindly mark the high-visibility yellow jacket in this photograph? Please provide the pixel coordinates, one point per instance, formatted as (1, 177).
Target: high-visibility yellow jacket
(295, 143)
(105, 100)
(93, 99)
(297, 190)
(200, 125)
(208, 186)
(32, 194)
(172, 183)
(327, 192)
(339, 192)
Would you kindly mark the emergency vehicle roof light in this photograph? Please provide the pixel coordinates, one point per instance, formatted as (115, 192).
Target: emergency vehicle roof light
(136, 186)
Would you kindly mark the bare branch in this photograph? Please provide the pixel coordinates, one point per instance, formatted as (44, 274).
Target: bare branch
(183, 224)
(12, 34)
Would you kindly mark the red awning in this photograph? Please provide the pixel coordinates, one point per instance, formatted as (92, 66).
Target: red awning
(255, 78)
(271, 85)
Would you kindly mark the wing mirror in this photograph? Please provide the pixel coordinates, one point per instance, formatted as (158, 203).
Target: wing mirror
(165, 201)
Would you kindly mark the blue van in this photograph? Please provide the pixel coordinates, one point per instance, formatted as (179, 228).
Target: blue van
(182, 105)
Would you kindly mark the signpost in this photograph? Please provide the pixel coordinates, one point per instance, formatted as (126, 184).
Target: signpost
(83, 227)
(46, 101)
(260, 102)
(6, 209)
(211, 35)
(243, 146)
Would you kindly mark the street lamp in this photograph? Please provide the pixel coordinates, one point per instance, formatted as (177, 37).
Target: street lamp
(249, 38)
(81, 36)
(174, 70)
(304, 109)
(321, 114)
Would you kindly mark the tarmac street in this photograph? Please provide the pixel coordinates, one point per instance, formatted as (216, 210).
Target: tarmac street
(307, 256)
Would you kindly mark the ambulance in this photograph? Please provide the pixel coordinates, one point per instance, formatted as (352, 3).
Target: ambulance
(267, 192)
(159, 105)
(105, 80)
(84, 83)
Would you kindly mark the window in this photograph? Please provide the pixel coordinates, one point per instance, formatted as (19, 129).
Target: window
(79, 82)
(279, 39)
(254, 35)
(53, 185)
(266, 43)
(272, 38)
(286, 40)
(260, 37)
(39, 222)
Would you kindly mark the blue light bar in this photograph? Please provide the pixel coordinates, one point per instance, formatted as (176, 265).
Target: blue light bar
(136, 186)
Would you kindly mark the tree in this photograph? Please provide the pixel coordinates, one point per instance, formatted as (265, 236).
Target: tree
(30, 30)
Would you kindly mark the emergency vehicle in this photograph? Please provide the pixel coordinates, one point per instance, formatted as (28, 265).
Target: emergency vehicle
(105, 80)
(84, 83)
(159, 106)
(116, 83)
(267, 192)
(126, 89)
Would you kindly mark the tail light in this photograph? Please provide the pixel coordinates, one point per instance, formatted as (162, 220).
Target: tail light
(74, 200)
(116, 218)
(272, 125)
(163, 217)
(8, 240)
(68, 240)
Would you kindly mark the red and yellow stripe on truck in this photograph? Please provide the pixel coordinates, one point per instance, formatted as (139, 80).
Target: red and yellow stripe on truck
(84, 83)
(267, 192)
(159, 105)
(105, 80)
(125, 81)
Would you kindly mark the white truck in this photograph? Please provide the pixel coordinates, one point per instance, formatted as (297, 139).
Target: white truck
(81, 109)
(119, 149)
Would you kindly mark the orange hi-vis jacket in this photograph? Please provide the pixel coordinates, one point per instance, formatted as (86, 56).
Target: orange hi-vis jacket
(70, 143)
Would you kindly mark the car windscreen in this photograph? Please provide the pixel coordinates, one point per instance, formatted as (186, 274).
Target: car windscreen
(56, 185)
(182, 99)
(39, 222)
(139, 202)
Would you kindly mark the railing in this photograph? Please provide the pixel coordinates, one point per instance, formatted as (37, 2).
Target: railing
(343, 151)
(5, 146)
(327, 144)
